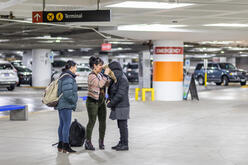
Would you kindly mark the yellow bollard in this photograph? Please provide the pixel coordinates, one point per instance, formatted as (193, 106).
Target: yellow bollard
(206, 79)
(137, 93)
(144, 90)
(152, 93)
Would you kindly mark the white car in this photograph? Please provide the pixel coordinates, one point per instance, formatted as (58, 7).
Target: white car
(8, 76)
(82, 76)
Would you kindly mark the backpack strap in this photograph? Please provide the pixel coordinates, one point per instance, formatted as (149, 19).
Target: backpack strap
(64, 75)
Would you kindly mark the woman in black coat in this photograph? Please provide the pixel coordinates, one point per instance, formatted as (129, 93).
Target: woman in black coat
(119, 104)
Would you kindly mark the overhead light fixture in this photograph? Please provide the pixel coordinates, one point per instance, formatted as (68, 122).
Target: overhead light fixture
(4, 40)
(153, 27)
(237, 48)
(48, 38)
(71, 50)
(227, 25)
(121, 43)
(149, 5)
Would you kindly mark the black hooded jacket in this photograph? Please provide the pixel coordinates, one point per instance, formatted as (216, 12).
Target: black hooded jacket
(118, 92)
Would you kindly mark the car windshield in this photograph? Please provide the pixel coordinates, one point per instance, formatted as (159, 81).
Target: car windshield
(5, 67)
(23, 70)
(83, 69)
(132, 66)
(17, 63)
(58, 64)
(227, 66)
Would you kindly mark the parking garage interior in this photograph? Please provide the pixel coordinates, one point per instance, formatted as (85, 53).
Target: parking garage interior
(163, 46)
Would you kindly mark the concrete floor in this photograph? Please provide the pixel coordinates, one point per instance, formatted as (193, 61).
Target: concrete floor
(213, 131)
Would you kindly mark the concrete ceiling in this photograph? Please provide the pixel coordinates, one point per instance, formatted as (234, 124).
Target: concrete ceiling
(23, 35)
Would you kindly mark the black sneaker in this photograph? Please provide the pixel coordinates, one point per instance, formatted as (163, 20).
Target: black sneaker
(60, 146)
(114, 147)
(101, 145)
(67, 148)
(122, 147)
(88, 145)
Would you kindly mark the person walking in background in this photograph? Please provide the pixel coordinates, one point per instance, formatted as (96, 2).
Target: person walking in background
(67, 103)
(118, 101)
(95, 103)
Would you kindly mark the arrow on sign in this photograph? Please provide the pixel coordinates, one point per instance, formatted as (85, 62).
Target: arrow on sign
(37, 16)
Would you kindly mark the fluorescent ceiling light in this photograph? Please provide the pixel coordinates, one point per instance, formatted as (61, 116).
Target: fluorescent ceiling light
(149, 5)
(124, 43)
(4, 40)
(152, 27)
(220, 42)
(227, 25)
(236, 48)
(204, 50)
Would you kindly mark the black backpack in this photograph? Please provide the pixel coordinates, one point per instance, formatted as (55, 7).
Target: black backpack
(77, 134)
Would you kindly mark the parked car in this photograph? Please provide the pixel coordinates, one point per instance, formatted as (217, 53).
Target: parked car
(82, 76)
(132, 72)
(17, 63)
(8, 76)
(25, 75)
(220, 73)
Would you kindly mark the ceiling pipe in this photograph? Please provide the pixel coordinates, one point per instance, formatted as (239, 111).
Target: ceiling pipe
(44, 5)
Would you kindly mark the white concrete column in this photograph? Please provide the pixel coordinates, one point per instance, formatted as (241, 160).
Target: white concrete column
(222, 59)
(27, 58)
(105, 59)
(168, 70)
(41, 67)
(231, 60)
(121, 61)
(128, 60)
(145, 69)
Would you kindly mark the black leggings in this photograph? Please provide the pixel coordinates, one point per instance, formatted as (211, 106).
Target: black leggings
(123, 128)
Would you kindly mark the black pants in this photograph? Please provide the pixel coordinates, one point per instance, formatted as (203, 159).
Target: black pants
(122, 125)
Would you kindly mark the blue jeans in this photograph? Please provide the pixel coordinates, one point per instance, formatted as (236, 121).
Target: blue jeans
(64, 125)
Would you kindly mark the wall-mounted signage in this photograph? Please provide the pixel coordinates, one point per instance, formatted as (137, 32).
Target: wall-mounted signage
(106, 47)
(71, 16)
(168, 50)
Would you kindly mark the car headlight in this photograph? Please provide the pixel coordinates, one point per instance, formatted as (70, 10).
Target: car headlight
(233, 73)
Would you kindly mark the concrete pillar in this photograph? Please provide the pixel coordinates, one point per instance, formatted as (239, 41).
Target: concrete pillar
(231, 60)
(219, 59)
(105, 59)
(144, 69)
(168, 70)
(128, 60)
(41, 67)
(222, 59)
(121, 61)
(27, 59)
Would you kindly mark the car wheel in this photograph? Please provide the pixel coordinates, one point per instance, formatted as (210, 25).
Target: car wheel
(225, 81)
(200, 80)
(218, 83)
(11, 88)
(243, 83)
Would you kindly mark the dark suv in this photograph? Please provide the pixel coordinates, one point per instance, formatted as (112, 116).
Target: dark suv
(220, 73)
(132, 72)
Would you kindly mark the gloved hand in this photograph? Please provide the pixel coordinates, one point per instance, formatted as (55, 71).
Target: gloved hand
(109, 105)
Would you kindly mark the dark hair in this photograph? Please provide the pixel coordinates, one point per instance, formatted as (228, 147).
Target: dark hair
(95, 60)
(69, 64)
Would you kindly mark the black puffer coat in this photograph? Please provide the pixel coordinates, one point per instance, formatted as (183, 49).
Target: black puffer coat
(118, 94)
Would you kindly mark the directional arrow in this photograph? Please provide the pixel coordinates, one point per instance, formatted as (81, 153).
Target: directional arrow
(37, 16)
